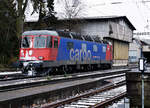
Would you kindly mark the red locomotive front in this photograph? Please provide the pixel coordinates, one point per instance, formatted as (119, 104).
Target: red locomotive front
(38, 47)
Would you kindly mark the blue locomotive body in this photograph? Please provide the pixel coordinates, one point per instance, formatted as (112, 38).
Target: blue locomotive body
(80, 50)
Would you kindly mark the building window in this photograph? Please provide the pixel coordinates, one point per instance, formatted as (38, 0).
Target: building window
(133, 56)
(70, 45)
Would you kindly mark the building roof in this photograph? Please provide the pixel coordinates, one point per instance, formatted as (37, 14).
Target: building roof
(142, 41)
(145, 41)
(105, 18)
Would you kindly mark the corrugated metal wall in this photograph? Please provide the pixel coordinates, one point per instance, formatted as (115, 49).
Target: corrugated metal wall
(121, 31)
(120, 50)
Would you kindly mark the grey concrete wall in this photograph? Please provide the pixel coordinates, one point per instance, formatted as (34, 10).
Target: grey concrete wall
(133, 79)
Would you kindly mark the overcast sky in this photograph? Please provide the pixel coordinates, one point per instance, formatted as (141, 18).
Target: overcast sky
(137, 11)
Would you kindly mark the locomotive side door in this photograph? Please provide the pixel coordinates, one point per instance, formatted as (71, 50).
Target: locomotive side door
(54, 49)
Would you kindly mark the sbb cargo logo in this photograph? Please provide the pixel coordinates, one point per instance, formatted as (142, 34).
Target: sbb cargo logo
(80, 55)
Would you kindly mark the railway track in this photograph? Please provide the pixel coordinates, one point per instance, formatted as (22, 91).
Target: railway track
(33, 82)
(16, 75)
(95, 98)
(10, 76)
(4, 76)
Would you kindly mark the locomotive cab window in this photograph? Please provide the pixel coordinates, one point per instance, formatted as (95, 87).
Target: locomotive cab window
(49, 42)
(26, 42)
(55, 43)
(40, 42)
(70, 45)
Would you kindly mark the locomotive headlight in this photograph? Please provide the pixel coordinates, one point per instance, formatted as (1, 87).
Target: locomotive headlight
(30, 52)
(41, 57)
(22, 53)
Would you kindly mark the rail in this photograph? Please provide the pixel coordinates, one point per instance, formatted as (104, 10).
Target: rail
(92, 99)
(21, 84)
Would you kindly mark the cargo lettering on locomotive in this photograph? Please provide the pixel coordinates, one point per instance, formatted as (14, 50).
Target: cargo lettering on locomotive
(80, 55)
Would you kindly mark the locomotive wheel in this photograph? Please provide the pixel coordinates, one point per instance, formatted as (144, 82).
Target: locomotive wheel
(89, 67)
(70, 69)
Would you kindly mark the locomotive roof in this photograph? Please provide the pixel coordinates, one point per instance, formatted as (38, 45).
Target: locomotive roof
(72, 35)
(41, 32)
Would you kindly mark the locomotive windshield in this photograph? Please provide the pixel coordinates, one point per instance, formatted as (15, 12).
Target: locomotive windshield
(40, 42)
(36, 42)
(26, 42)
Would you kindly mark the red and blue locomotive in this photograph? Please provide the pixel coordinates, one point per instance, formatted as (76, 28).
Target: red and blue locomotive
(46, 51)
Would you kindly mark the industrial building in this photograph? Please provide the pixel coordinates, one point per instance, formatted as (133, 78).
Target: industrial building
(117, 29)
(144, 45)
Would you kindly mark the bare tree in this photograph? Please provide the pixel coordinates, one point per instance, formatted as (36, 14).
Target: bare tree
(70, 10)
